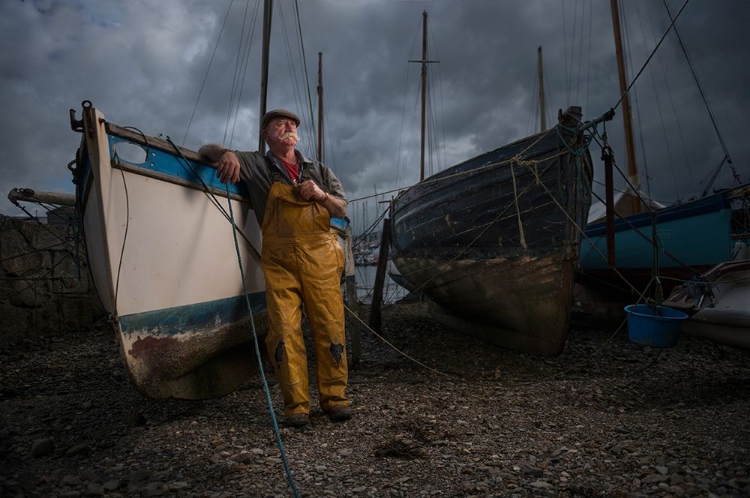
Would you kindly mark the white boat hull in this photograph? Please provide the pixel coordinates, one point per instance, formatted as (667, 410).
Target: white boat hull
(719, 304)
(165, 263)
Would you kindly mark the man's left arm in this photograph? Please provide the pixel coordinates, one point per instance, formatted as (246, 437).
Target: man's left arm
(336, 207)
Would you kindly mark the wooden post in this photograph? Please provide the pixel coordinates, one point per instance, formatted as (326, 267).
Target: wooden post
(542, 108)
(267, 16)
(627, 119)
(608, 186)
(377, 293)
(320, 106)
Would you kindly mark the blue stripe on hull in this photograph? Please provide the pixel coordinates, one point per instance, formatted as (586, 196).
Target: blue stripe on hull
(173, 165)
(697, 233)
(193, 317)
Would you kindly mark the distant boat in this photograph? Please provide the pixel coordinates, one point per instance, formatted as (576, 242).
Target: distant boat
(718, 302)
(493, 242)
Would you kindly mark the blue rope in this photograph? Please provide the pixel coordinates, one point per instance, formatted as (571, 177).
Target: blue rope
(230, 218)
(276, 433)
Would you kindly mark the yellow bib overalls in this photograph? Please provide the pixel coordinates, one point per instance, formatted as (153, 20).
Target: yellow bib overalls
(302, 264)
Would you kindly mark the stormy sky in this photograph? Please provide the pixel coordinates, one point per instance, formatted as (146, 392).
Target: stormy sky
(190, 70)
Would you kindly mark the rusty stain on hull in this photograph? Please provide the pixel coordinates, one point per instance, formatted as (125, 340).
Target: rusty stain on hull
(150, 345)
(199, 364)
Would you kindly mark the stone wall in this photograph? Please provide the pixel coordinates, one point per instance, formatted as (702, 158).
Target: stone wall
(45, 288)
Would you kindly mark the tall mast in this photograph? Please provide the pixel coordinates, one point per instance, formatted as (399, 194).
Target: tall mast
(542, 108)
(267, 11)
(320, 106)
(424, 90)
(626, 112)
(424, 63)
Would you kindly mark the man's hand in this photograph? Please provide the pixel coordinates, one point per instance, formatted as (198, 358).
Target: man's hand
(310, 191)
(228, 168)
(227, 164)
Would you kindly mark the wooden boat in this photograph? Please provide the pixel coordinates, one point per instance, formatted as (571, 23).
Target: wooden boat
(493, 242)
(718, 303)
(164, 261)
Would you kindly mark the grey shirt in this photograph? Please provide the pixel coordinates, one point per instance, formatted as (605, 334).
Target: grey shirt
(255, 173)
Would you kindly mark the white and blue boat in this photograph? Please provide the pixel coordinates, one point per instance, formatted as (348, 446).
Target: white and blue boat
(174, 255)
(162, 253)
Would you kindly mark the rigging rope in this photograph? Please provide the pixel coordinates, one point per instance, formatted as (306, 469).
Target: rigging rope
(313, 129)
(703, 96)
(671, 102)
(650, 56)
(246, 63)
(208, 69)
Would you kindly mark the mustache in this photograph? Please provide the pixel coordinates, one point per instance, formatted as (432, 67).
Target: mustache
(288, 134)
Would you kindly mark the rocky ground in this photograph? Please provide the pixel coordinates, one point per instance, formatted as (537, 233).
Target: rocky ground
(455, 418)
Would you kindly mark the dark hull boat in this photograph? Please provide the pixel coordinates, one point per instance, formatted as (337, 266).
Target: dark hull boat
(493, 242)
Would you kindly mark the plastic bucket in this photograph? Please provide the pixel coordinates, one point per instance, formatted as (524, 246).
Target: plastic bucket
(658, 328)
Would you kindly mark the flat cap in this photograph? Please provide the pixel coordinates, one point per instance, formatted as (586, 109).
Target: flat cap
(278, 113)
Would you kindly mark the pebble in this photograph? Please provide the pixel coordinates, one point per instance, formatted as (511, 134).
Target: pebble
(42, 447)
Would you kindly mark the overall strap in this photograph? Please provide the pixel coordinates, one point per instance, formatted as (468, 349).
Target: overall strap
(276, 176)
(304, 173)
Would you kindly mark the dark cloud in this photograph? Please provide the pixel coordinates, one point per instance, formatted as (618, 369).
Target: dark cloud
(149, 65)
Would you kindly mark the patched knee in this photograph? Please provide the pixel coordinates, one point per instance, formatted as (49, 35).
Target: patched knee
(278, 354)
(337, 352)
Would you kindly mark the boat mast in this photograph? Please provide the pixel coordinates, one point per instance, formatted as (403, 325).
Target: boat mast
(424, 63)
(424, 90)
(626, 112)
(320, 106)
(542, 108)
(267, 11)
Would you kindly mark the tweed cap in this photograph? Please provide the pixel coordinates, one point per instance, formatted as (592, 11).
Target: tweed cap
(278, 113)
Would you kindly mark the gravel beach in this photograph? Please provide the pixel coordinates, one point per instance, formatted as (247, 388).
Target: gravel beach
(454, 417)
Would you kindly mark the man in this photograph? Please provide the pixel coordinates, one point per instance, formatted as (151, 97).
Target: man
(294, 199)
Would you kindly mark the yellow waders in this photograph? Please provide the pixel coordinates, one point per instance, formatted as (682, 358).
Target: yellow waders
(302, 263)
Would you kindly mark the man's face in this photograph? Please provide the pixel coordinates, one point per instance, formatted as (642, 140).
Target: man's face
(281, 131)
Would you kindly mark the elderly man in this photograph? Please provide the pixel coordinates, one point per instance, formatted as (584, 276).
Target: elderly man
(294, 199)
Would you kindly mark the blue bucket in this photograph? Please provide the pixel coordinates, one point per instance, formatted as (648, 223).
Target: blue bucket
(658, 329)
